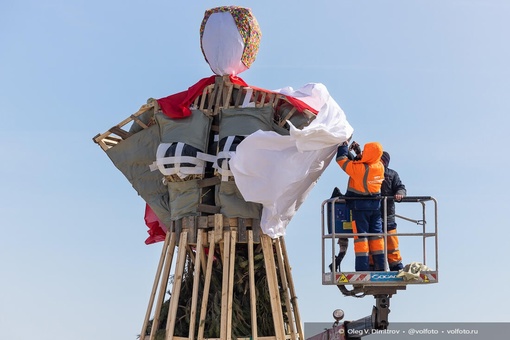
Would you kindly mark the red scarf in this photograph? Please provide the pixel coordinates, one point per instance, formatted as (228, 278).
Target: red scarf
(177, 105)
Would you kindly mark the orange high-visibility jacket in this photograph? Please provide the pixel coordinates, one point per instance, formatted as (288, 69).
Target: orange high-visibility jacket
(365, 175)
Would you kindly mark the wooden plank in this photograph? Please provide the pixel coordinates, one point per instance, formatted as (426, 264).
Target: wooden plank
(293, 298)
(239, 338)
(272, 97)
(176, 289)
(203, 222)
(205, 240)
(202, 100)
(256, 231)
(228, 96)
(100, 142)
(207, 286)
(272, 281)
(239, 96)
(112, 140)
(218, 227)
(231, 268)
(224, 285)
(241, 230)
(196, 102)
(262, 100)
(218, 88)
(208, 182)
(139, 122)
(188, 223)
(196, 281)
(155, 284)
(253, 296)
(285, 288)
(226, 222)
(140, 111)
(287, 117)
(190, 253)
(119, 132)
(210, 100)
(209, 209)
(178, 229)
(164, 283)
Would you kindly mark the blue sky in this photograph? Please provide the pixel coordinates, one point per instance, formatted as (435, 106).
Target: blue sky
(429, 79)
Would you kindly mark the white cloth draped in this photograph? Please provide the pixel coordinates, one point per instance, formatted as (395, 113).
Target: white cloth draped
(279, 171)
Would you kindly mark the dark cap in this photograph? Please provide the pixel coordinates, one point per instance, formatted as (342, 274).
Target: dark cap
(385, 158)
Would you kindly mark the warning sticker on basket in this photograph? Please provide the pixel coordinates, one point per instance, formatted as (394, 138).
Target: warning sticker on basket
(342, 278)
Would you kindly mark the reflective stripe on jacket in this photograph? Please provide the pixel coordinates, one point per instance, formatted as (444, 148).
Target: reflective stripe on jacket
(365, 175)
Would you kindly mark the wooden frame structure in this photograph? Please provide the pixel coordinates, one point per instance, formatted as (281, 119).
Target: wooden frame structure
(202, 242)
(219, 236)
(221, 95)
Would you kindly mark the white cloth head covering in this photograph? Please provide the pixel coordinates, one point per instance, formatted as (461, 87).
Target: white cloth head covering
(229, 38)
(223, 45)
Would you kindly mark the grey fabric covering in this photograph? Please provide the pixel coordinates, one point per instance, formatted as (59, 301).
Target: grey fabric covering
(184, 198)
(132, 157)
(245, 121)
(179, 199)
(240, 122)
(233, 204)
(280, 130)
(193, 130)
(298, 119)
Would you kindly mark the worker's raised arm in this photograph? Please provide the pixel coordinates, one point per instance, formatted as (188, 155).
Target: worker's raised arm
(344, 159)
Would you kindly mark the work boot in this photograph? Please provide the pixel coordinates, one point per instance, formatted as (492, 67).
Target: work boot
(396, 267)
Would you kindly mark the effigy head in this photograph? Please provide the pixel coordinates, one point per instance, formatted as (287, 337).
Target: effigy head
(229, 39)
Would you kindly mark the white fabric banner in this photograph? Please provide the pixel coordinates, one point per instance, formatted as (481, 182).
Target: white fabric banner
(279, 171)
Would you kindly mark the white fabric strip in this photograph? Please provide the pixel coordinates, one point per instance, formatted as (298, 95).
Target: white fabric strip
(206, 157)
(247, 98)
(177, 161)
(226, 155)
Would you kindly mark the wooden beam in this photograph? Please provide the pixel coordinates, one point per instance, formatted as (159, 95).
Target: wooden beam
(176, 289)
(253, 296)
(155, 285)
(231, 267)
(284, 120)
(218, 227)
(285, 287)
(224, 285)
(292, 290)
(196, 281)
(207, 285)
(272, 281)
(164, 283)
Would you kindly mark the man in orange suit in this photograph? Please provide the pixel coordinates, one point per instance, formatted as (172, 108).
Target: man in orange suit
(364, 188)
